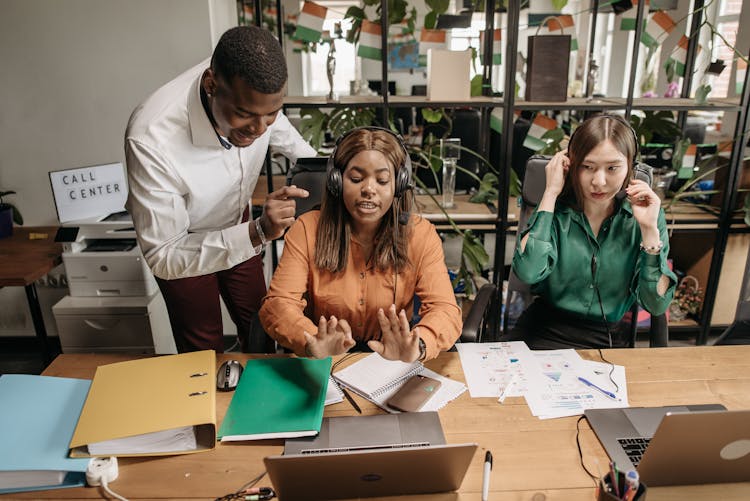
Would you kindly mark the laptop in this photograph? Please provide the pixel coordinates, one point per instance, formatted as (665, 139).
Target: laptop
(676, 445)
(365, 456)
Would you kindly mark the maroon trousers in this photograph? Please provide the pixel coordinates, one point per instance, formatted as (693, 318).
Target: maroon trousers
(195, 312)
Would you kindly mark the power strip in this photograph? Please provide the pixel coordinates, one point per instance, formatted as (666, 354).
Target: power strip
(101, 471)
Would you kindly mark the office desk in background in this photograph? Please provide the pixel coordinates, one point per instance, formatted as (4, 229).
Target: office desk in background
(533, 459)
(466, 214)
(23, 262)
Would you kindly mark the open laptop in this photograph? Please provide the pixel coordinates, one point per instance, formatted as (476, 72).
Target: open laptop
(677, 445)
(365, 456)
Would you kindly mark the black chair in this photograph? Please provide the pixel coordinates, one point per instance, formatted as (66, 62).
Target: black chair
(519, 293)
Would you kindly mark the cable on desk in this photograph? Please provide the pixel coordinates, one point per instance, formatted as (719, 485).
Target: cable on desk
(249, 492)
(580, 451)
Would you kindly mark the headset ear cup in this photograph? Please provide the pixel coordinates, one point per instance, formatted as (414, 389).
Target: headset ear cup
(334, 182)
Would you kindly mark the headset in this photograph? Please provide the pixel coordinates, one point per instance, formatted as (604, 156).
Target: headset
(334, 176)
(641, 171)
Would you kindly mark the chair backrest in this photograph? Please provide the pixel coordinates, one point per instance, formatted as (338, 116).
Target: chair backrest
(519, 295)
(309, 174)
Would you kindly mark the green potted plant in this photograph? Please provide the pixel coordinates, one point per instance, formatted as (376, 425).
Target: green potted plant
(8, 215)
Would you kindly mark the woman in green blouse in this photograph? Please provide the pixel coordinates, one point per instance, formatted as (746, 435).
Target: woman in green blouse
(596, 243)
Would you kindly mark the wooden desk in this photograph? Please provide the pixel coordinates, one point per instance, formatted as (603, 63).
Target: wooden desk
(533, 459)
(23, 262)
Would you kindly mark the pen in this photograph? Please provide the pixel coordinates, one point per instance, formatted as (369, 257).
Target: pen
(614, 478)
(486, 476)
(607, 393)
(351, 400)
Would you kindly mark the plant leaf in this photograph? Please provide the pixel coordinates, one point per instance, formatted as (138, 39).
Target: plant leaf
(431, 115)
(476, 85)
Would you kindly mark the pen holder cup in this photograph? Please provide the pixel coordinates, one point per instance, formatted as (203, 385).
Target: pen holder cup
(605, 492)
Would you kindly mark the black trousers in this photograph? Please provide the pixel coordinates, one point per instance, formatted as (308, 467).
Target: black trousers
(544, 327)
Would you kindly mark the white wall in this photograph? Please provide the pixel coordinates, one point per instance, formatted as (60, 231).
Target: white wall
(72, 72)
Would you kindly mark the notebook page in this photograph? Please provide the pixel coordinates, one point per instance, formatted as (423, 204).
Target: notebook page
(373, 375)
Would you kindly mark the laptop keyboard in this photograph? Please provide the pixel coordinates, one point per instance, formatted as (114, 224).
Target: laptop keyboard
(634, 448)
(404, 445)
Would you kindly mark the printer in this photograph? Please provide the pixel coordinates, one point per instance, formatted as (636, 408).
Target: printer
(100, 252)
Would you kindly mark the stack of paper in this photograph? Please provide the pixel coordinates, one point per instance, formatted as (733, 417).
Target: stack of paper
(377, 379)
(37, 420)
(555, 383)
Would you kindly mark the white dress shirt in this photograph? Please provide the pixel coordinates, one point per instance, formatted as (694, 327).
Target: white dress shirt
(187, 192)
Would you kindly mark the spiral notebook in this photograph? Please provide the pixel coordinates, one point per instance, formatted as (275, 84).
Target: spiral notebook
(377, 379)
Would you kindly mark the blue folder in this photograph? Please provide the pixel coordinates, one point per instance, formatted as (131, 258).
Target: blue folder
(39, 414)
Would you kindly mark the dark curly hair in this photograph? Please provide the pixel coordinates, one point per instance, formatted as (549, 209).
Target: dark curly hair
(254, 55)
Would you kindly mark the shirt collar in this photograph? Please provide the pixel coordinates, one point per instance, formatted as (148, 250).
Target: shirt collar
(201, 128)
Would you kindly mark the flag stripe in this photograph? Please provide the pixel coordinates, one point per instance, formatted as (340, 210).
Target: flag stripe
(369, 52)
(370, 27)
(307, 34)
(436, 36)
(314, 9)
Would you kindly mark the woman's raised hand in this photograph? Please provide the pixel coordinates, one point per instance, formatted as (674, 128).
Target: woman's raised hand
(555, 172)
(397, 342)
(334, 338)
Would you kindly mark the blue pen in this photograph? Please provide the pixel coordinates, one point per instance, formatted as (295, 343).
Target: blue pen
(607, 393)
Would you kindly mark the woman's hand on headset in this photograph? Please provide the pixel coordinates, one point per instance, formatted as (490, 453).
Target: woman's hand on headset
(645, 203)
(555, 172)
(397, 342)
(334, 338)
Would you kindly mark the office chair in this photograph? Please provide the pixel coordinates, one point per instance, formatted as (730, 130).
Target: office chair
(519, 293)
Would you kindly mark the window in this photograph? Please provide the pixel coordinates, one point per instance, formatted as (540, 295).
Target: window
(314, 65)
(727, 23)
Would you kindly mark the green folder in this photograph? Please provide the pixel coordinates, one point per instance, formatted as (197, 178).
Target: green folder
(277, 398)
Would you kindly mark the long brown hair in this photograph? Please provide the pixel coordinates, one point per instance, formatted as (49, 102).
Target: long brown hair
(334, 230)
(586, 137)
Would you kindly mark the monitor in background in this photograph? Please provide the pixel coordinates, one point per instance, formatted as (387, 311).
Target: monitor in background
(375, 86)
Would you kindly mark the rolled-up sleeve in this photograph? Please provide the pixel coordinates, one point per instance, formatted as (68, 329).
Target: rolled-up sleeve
(157, 204)
(651, 268)
(537, 260)
(440, 323)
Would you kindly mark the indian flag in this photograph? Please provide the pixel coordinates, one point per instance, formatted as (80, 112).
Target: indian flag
(539, 9)
(658, 27)
(369, 41)
(310, 22)
(688, 162)
(497, 51)
(561, 25)
(627, 18)
(539, 127)
(740, 76)
(680, 56)
(496, 119)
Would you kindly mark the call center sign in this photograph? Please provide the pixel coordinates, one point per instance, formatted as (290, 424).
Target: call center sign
(88, 192)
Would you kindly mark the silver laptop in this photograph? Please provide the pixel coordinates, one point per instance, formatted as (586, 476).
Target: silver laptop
(677, 445)
(365, 456)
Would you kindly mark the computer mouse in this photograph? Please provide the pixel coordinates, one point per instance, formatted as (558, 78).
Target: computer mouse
(228, 375)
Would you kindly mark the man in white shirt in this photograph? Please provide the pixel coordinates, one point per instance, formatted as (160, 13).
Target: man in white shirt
(194, 151)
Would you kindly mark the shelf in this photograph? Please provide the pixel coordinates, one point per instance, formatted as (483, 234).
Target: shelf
(640, 103)
(393, 101)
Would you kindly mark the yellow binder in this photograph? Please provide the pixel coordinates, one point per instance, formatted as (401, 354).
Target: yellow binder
(152, 406)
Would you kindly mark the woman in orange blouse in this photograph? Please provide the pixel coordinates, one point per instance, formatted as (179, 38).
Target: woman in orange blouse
(338, 263)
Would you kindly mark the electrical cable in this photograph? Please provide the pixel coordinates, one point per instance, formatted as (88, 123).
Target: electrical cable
(580, 451)
(105, 486)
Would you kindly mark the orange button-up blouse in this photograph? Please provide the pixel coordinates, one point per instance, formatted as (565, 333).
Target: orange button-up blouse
(359, 291)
